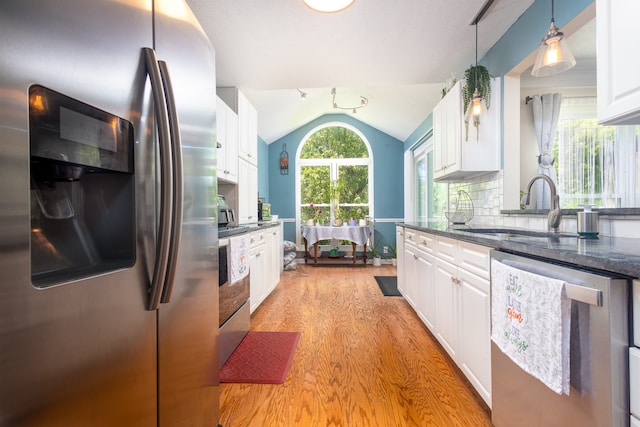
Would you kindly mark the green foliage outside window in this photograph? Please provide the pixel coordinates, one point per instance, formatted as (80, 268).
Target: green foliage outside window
(344, 195)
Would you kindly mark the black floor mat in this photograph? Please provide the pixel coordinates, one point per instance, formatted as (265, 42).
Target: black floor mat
(388, 285)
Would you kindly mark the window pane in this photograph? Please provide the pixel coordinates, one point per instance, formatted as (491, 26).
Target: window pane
(595, 164)
(314, 189)
(437, 194)
(334, 143)
(421, 188)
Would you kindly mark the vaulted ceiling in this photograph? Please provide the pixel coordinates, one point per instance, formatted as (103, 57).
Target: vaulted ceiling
(397, 54)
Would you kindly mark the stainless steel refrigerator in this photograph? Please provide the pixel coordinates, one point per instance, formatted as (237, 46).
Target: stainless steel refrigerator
(108, 231)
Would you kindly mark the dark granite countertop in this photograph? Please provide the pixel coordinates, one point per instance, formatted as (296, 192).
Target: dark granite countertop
(224, 232)
(612, 254)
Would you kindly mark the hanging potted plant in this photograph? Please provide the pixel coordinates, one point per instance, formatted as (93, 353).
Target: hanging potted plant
(477, 88)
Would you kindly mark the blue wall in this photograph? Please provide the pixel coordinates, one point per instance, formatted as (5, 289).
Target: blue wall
(263, 169)
(387, 169)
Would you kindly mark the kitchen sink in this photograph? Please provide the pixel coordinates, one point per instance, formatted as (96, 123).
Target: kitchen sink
(511, 232)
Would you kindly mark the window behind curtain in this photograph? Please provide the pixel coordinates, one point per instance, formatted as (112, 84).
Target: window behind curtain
(596, 165)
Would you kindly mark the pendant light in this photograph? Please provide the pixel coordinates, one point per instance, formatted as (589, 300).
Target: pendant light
(554, 55)
(328, 6)
(476, 101)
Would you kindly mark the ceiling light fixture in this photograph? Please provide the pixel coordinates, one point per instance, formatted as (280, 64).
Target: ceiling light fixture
(328, 6)
(554, 55)
(303, 95)
(363, 102)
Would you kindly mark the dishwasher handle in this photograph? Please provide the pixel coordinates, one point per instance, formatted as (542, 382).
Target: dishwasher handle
(573, 291)
(583, 294)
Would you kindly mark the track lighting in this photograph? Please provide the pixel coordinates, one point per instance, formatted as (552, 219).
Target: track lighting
(363, 102)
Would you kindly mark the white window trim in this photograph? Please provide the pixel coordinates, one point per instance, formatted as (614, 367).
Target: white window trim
(327, 162)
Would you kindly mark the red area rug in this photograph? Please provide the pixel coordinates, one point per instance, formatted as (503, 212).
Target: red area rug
(261, 358)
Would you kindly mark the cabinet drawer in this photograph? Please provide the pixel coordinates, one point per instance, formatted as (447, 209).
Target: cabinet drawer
(410, 237)
(634, 380)
(447, 249)
(257, 238)
(426, 242)
(475, 258)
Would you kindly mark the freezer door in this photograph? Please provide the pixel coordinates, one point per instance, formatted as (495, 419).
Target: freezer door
(188, 334)
(81, 352)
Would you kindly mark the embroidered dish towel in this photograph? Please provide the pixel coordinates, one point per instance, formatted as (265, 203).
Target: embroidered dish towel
(531, 323)
(239, 258)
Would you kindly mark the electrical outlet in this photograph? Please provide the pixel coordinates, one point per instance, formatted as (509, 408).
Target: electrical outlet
(385, 249)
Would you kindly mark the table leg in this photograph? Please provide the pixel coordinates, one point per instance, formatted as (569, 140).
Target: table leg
(353, 246)
(306, 250)
(315, 252)
(364, 255)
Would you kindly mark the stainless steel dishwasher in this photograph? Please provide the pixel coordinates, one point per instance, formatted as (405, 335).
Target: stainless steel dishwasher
(599, 344)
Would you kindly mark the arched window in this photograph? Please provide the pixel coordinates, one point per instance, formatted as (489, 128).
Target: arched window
(334, 176)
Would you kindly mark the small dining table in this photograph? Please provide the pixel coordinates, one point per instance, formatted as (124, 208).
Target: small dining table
(356, 234)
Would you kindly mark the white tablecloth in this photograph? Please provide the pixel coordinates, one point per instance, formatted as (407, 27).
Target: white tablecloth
(356, 234)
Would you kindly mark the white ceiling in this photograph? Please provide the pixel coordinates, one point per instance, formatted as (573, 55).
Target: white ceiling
(397, 54)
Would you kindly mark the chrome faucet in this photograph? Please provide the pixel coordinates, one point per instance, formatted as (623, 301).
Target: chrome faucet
(555, 216)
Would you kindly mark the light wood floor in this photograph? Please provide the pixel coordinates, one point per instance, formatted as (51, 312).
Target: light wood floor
(363, 359)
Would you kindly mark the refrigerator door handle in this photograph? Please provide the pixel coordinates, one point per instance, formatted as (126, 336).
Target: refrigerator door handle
(164, 221)
(176, 214)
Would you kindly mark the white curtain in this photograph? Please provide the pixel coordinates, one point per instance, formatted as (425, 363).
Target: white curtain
(546, 109)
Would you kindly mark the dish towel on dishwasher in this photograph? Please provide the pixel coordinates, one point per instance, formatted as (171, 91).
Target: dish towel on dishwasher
(531, 323)
(239, 258)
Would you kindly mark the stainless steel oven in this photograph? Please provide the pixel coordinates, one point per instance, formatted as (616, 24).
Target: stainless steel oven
(234, 317)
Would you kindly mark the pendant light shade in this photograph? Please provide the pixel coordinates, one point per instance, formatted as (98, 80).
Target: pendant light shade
(554, 54)
(328, 6)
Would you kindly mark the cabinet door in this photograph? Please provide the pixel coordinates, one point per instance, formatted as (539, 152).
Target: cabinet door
(426, 292)
(453, 125)
(221, 137)
(274, 250)
(400, 257)
(247, 130)
(247, 192)
(618, 85)
(439, 141)
(257, 270)
(231, 151)
(411, 279)
(475, 332)
(447, 306)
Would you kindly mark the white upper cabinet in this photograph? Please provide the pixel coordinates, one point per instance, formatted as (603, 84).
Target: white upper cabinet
(227, 139)
(247, 122)
(454, 156)
(618, 33)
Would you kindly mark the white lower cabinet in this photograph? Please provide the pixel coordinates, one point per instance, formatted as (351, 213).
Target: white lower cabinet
(446, 281)
(400, 257)
(258, 268)
(634, 381)
(274, 253)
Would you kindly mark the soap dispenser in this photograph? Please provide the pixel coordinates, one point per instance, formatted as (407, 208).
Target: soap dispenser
(587, 223)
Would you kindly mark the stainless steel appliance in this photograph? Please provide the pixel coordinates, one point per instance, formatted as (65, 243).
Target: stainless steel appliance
(226, 215)
(108, 241)
(599, 350)
(235, 315)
